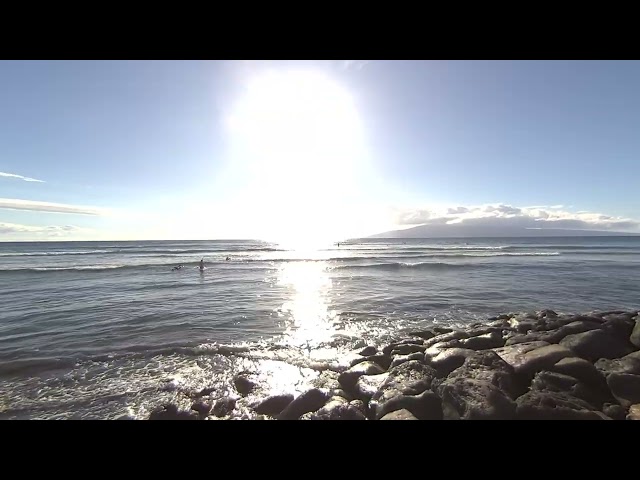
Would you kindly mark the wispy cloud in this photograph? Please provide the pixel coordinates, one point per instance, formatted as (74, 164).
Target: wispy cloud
(357, 64)
(49, 207)
(20, 177)
(41, 232)
(502, 215)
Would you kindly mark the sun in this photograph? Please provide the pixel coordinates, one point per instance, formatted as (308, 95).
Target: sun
(300, 140)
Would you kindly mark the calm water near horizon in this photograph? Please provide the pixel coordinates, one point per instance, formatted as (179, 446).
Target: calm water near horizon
(106, 329)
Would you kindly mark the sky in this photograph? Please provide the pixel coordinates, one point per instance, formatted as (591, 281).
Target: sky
(296, 151)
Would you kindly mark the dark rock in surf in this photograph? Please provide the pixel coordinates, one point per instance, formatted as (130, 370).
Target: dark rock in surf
(400, 359)
(539, 405)
(546, 381)
(224, 406)
(392, 346)
(368, 385)
(407, 349)
(597, 344)
(468, 399)
(309, 401)
(203, 408)
(529, 358)
(483, 342)
(368, 351)
(490, 367)
(273, 405)
(399, 415)
(380, 358)
(580, 369)
(243, 385)
(171, 412)
(448, 360)
(424, 406)
(635, 334)
(424, 334)
(338, 408)
(349, 378)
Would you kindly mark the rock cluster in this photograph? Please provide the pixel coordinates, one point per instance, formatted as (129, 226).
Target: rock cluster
(532, 366)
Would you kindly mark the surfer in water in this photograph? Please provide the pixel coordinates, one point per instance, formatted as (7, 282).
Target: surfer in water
(201, 264)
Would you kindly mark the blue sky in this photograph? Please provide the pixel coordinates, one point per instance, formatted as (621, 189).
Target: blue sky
(219, 149)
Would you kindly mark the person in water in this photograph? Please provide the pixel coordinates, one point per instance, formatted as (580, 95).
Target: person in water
(202, 264)
(228, 258)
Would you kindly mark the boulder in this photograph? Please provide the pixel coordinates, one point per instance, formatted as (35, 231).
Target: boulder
(614, 411)
(406, 358)
(224, 406)
(380, 358)
(392, 346)
(555, 335)
(368, 385)
(448, 360)
(274, 404)
(627, 364)
(526, 359)
(625, 388)
(634, 412)
(349, 378)
(203, 408)
(488, 366)
(597, 344)
(581, 369)
(468, 399)
(407, 349)
(635, 334)
(543, 405)
(399, 415)
(619, 325)
(424, 334)
(243, 385)
(172, 412)
(424, 406)
(483, 342)
(309, 401)
(338, 408)
(368, 351)
(410, 378)
(547, 381)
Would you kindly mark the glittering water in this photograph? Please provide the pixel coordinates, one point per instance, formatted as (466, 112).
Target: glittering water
(105, 329)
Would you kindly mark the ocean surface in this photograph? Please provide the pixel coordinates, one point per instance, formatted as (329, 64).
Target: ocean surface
(103, 330)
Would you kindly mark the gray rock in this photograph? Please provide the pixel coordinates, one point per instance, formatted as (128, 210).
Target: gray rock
(368, 385)
(534, 360)
(546, 313)
(468, 399)
(206, 391)
(635, 334)
(327, 380)
(338, 408)
(399, 359)
(619, 325)
(539, 405)
(368, 351)
(581, 369)
(349, 378)
(448, 360)
(614, 411)
(555, 336)
(438, 348)
(625, 388)
(489, 367)
(513, 354)
(399, 415)
(274, 404)
(392, 346)
(224, 406)
(597, 344)
(380, 358)
(243, 385)
(627, 364)
(634, 412)
(558, 382)
(309, 401)
(445, 337)
(171, 412)
(424, 406)
(203, 408)
(410, 378)
(424, 334)
(483, 342)
(408, 349)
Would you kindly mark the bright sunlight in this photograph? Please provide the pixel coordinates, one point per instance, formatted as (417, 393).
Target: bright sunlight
(300, 138)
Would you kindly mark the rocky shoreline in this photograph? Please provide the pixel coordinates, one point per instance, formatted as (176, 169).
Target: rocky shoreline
(527, 366)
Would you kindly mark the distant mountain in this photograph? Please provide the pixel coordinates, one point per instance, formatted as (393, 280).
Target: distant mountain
(463, 231)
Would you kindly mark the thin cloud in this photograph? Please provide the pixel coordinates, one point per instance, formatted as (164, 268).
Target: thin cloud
(357, 64)
(49, 207)
(20, 177)
(41, 232)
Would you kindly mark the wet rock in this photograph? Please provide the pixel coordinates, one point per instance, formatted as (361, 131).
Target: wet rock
(558, 382)
(424, 334)
(543, 405)
(635, 334)
(337, 408)
(445, 337)
(526, 360)
(358, 405)
(546, 313)
(399, 359)
(309, 401)
(441, 330)
(349, 378)
(619, 325)
(273, 405)
(468, 399)
(125, 417)
(512, 354)
(327, 380)
(627, 364)
(483, 342)
(555, 336)
(522, 324)
(625, 388)
(399, 415)
(614, 411)
(410, 378)
(224, 406)
(438, 348)
(368, 351)
(581, 369)
(380, 358)
(634, 412)
(203, 408)
(243, 385)
(389, 348)
(488, 366)
(597, 344)
(407, 349)
(171, 412)
(424, 406)
(368, 385)
(448, 360)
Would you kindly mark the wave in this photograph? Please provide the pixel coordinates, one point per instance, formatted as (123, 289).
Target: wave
(42, 254)
(403, 265)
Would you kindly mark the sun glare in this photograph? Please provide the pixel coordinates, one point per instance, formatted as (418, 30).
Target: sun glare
(300, 139)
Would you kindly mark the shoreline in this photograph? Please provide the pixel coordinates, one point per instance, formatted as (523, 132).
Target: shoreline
(523, 366)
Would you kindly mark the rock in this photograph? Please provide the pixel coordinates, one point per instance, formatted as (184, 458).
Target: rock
(171, 412)
(625, 388)
(581, 369)
(206, 391)
(614, 411)
(522, 324)
(483, 342)
(488, 366)
(224, 406)
(274, 404)
(424, 406)
(399, 415)
(546, 313)
(597, 344)
(368, 385)
(203, 408)
(634, 412)
(619, 325)
(539, 405)
(533, 360)
(557, 382)
(337, 408)
(327, 380)
(448, 360)
(125, 417)
(555, 336)
(309, 401)
(513, 354)
(468, 399)
(627, 364)
(399, 359)
(389, 348)
(349, 378)
(438, 348)
(368, 351)
(635, 334)
(380, 358)
(442, 330)
(445, 337)
(424, 334)
(408, 349)
(410, 378)
(243, 385)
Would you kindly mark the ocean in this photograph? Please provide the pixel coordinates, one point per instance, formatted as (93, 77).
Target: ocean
(104, 330)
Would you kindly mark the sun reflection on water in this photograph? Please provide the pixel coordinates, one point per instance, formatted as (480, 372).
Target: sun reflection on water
(310, 321)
